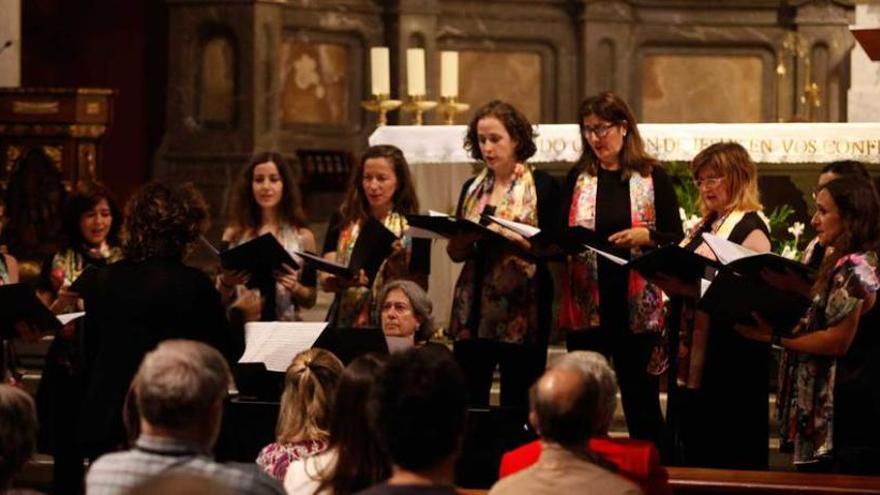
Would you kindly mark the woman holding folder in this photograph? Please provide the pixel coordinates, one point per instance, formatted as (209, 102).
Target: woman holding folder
(267, 199)
(828, 398)
(617, 190)
(718, 387)
(502, 300)
(381, 187)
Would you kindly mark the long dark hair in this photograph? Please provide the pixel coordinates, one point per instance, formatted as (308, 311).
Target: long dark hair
(244, 212)
(86, 197)
(515, 123)
(859, 208)
(633, 157)
(361, 461)
(356, 207)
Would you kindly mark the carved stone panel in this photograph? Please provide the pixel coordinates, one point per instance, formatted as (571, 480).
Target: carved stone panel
(515, 78)
(314, 83)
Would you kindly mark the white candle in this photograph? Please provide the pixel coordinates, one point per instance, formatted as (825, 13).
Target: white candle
(380, 72)
(415, 71)
(449, 74)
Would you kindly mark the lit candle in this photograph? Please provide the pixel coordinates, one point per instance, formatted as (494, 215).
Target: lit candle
(415, 71)
(449, 74)
(380, 74)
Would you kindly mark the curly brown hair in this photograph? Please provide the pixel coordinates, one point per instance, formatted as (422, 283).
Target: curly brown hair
(610, 107)
(244, 212)
(86, 197)
(162, 221)
(356, 207)
(18, 431)
(515, 123)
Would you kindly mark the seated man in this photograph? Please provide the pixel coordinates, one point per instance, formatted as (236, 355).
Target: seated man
(418, 407)
(18, 432)
(179, 392)
(569, 404)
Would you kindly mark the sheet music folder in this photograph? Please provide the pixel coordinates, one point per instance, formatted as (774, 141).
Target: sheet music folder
(670, 260)
(349, 343)
(750, 263)
(260, 256)
(372, 247)
(449, 226)
(19, 302)
(734, 297)
(568, 240)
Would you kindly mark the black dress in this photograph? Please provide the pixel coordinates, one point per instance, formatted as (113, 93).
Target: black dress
(628, 351)
(724, 423)
(131, 306)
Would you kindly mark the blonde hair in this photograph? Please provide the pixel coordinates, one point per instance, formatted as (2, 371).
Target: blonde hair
(731, 161)
(308, 392)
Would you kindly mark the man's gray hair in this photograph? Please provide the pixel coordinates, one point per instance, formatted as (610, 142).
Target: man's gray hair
(420, 302)
(594, 368)
(179, 381)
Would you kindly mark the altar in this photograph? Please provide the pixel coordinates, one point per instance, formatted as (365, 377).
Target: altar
(440, 165)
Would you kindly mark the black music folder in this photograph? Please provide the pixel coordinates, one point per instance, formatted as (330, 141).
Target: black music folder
(449, 226)
(568, 240)
(85, 282)
(734, 297)
(372, 247)
(349, 343)
(19, 302)
(746, 262)
(259, 256)
(670, 260)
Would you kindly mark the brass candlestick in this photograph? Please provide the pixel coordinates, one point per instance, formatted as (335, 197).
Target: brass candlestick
(381, 105)
(449, 107)
(418, 105)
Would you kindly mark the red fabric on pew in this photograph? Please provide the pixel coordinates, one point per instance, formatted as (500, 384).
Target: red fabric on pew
(636, 460)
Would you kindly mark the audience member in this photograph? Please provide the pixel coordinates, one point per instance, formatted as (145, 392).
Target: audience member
(304, 418)
(572, 402)
(180, 387)
(636, 460)
(418, 408)
(354, 459)
(148, 297)
(405, 311)
(181, 484)
(18, 434)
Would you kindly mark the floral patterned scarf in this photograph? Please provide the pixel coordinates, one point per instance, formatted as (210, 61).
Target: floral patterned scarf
(496, 294)
(806, 381)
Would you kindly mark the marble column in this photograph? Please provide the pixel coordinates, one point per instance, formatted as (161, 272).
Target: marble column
(863, 102)
(10, 43)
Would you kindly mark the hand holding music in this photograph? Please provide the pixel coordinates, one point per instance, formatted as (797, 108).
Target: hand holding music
(287, 277)
(332, 283)
(231, 278)
(511, 236)
(631, 238)
(250, 303)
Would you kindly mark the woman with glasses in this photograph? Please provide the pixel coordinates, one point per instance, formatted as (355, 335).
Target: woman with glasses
(623, 194)
(718, 388)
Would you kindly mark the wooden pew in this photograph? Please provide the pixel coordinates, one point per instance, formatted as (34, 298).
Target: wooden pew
(693, 481)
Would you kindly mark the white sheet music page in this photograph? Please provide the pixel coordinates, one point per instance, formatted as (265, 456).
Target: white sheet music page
(275, 343)
(725, 250)
(522, 229)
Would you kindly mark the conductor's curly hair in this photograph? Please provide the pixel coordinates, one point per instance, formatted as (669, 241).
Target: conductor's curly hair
(162, 221)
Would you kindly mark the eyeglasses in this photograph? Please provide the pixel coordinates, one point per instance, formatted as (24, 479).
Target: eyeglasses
(599, 131)
(709, 182)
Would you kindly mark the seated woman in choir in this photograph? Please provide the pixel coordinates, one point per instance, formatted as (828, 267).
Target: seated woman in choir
(268, 200)
(405, 311)
(501, 309)
(354, 459)
(626, 196)
(91, 226)
(719, 388)
(381, 187)
(304, 418)
(820, 390)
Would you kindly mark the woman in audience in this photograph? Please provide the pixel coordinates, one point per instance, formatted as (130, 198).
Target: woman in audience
(18, 434)
(502, 301)
(405, 311)
(619, 191)
(91, 224)
(718, 403)
(148, 297)
(304, 418)
(381, 188)
(354, 459)
(826, 410)
(268, 200)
